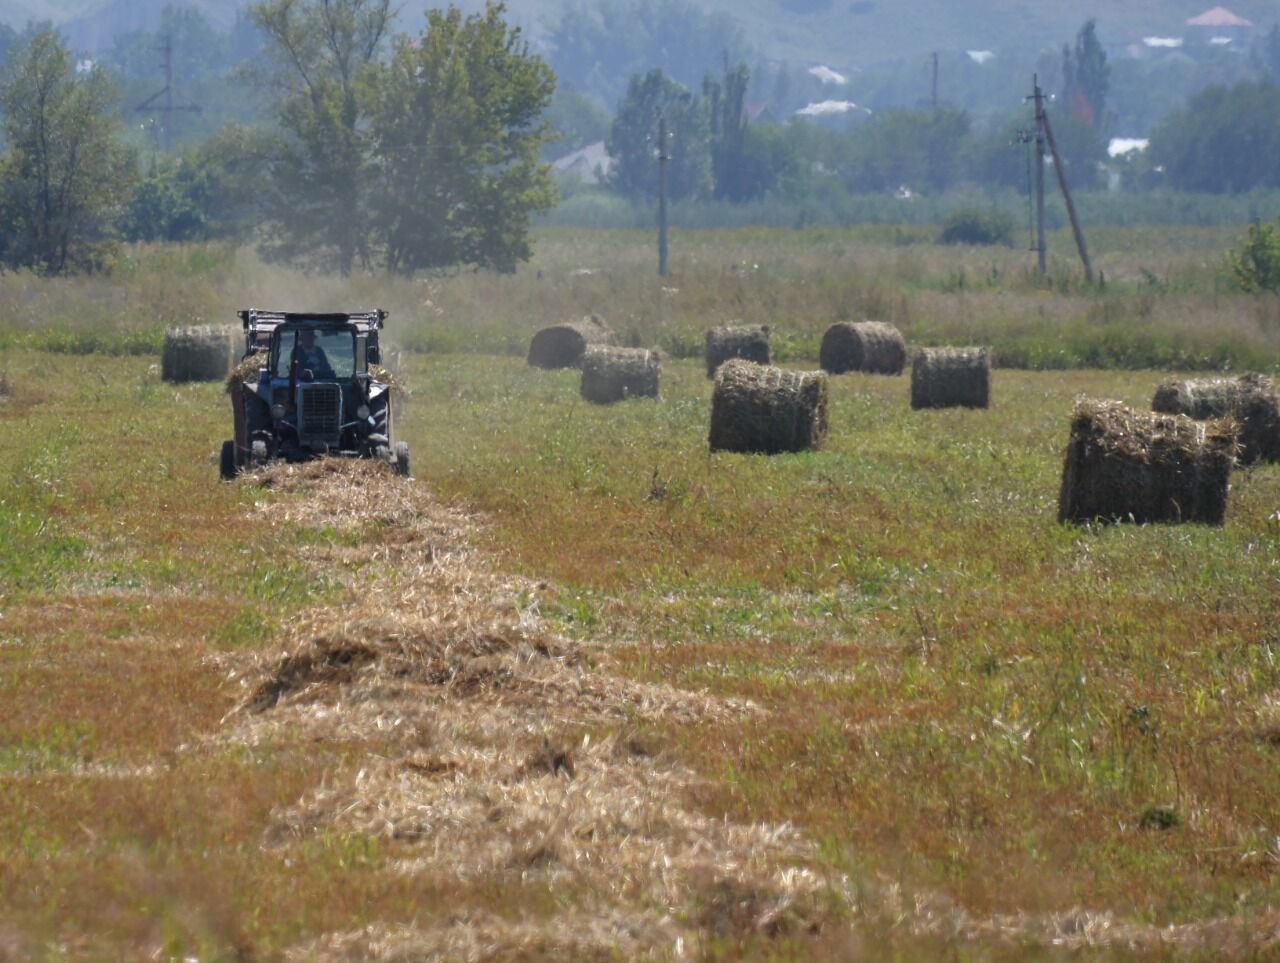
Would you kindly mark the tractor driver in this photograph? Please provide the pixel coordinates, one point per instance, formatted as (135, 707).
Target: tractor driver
(311, 356)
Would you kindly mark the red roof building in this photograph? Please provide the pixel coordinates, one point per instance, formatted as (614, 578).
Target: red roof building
(1218, 18)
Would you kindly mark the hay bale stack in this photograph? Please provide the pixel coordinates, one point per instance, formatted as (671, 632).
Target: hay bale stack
(1250, 399)
(615, 374)
(563, 345)
(756, 408)
(951, 378)
(873, 347)
(1126, 465)
(198, 353)
(749, 342)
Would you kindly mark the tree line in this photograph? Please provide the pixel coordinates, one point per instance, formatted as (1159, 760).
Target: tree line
(407, 153)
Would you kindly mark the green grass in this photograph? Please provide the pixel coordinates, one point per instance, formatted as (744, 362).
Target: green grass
(958, 686)
(960, 695)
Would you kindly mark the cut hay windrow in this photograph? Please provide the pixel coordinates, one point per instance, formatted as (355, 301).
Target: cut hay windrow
(1126, 465)
(495, 754)
(750, 342)
(951, 378)
(767, 410)
(563, 345)
(615, 374)
(1251, 399)
(872, 347)
(199, 353)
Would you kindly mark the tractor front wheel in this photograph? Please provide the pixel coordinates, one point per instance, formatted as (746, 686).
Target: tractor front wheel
(402, 458)
(227, 462)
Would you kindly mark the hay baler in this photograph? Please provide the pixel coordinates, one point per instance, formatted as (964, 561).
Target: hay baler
(309, 385)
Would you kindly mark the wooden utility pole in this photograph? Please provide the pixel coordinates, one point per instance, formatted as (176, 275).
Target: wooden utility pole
(1071, 207)
(935, 80)
(662, 196)
(1038, 97)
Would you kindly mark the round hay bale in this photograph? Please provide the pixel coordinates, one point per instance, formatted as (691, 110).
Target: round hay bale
(747, 341)
(1126, 465)
(1250, 399)
(756, 408)
(951, 378)
(873, 347)
(563, 345)
(615, 374)
(198, 353)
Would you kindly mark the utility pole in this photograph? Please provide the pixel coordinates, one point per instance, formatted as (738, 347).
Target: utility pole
(165, 106)
(1038, 96)
(662, 196)
(1071, 207)
(935, 80)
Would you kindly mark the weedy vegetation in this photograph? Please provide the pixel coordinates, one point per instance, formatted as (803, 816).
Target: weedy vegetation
(560, 694)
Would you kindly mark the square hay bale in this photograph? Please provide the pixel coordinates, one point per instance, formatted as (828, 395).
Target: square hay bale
(951, 378)
(1250, 399)
(1126, 465)
(199, 353)
(615, 374)
(766, 410)
(563, 345)
(747, 341)
(874, 347)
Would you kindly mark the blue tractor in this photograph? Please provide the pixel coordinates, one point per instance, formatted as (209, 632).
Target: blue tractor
(310, 385)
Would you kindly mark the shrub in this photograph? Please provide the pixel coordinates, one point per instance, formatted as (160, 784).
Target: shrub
(1256, 265)
(971, 226)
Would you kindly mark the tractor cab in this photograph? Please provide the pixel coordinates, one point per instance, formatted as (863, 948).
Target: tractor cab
(307, 389)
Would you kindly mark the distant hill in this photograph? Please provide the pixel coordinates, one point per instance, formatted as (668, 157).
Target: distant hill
(844, 33)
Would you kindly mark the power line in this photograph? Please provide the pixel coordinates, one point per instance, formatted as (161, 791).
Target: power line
(161, 102)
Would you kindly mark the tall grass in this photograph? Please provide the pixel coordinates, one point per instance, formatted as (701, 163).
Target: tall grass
(1163, 299)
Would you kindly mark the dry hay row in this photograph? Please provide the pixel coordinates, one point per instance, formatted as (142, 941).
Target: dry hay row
(499, 753)
(495, 751)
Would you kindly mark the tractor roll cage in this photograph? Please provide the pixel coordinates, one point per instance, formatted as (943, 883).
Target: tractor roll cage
(259, 325)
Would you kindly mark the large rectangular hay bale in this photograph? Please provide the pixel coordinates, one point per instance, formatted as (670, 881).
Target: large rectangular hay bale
(749, 342)
(767, 410)
(563, 345)
(1126, 465)
(874, 347)
(951, 378)
(615, 374)
(199, 353)
(1250, 399)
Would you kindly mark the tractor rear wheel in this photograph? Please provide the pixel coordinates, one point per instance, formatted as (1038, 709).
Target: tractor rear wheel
(227, 462)
(402, 458)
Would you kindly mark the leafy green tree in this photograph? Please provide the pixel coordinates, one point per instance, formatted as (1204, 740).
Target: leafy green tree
(320, 56)
(209, 192)
(726, 111)
(65, 171)
(1256, 264)
(1225, 140)
(577, 121)
(1086, 78)
(633, 139)
(456, 131)
(921, 149)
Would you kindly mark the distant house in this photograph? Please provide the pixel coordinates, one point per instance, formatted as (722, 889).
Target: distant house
(760, 112)
(1218, 27)
(591, 164)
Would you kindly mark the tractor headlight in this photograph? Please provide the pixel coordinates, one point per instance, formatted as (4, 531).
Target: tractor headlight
(277, 412)
(363, 412)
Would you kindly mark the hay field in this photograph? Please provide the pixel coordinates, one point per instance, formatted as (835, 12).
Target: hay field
(584, 689)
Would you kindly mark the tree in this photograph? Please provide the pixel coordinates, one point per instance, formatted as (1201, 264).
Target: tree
(1255, 267)
(726, 110)
(65, 171)
(457, 128)
(921, 149)
(1224, 140)
(1086, 78)
(633, 139)
(321, 53)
